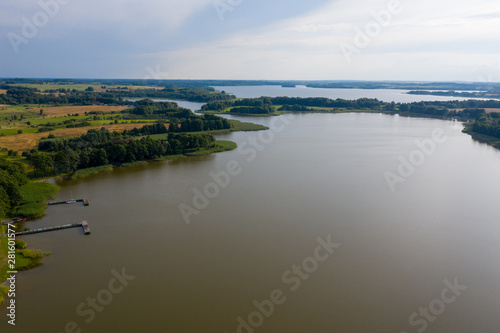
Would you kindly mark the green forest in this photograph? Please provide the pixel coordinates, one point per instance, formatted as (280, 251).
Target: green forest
(12, 177)
(17, 94)
(271, 105)
(102, 147)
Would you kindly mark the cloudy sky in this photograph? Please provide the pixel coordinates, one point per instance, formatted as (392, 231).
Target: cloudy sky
(425, 40)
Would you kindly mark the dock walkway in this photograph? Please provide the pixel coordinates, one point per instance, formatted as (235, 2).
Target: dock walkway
(84, 225)
(85, 201)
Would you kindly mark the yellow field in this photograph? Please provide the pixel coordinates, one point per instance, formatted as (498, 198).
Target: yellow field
(81, 87)
(26, 142)
(487, 110)
(61, 111)
(492, 110)
(2, 91)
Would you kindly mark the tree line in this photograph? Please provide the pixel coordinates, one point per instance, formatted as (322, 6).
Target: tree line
(486, 124)
(12, 176)
(102, 147)
(267, 109)
(459, 109)
(197, 123)
(16, 95)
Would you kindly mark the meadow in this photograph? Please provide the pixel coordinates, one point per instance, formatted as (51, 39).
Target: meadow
(79, 87)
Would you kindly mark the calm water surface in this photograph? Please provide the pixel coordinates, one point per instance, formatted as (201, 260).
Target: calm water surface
(321, 175)
(386, 95)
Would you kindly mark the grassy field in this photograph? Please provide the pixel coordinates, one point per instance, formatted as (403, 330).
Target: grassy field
(91, 171)
(25, 142)
(43, 121)
(220, 146)
(169, 157)
(79, 87)
(27, 119)
(491, 110)
(35, 198)
(27, 259)
(132, 164)
(61, 111)
(15, 131)
(244, 126)
(8, 111)
(124, 121)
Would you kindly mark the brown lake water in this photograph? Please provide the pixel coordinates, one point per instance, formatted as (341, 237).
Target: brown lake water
(420, 256)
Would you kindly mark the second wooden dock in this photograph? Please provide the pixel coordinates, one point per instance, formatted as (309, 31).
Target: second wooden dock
(84, 225)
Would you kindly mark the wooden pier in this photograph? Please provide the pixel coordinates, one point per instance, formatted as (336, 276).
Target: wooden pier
(84, 225)
(86, 228)
(85, 201)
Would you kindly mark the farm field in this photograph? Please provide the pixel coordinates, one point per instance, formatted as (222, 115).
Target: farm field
(488, 110)
(16, 120)
(25, 142)
(61, 111)
(80, 87)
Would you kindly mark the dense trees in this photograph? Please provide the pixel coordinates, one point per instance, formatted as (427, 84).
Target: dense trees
(458, 109)
(157, 128)
(294, 108)
(148, 107)
(487, 124)
(493, 92)
(264, 105)
(101, 147)
(261, 101)
(42, 164)
(22, 95)
(12, 176)
(217, 106)
(201, 123)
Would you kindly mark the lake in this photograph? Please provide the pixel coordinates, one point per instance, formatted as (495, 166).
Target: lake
(299, 230)
(386, 95)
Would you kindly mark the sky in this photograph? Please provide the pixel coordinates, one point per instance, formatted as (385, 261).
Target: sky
(403, 40)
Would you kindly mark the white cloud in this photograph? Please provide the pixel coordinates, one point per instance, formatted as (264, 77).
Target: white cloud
(443, 41)
(97, 14)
